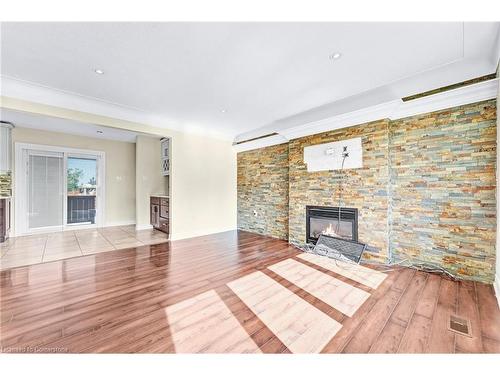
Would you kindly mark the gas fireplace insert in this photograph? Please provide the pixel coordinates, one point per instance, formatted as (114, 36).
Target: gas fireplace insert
(325, 220)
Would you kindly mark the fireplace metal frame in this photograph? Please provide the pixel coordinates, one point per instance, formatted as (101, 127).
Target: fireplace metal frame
(346, 213)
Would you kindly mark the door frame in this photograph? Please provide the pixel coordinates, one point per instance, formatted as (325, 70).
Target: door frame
(20, 187)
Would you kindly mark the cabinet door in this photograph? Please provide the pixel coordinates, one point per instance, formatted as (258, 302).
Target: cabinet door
(164, 225)
(164, 212)
(165, 167)
(7, 216)
(2, 218)
(165, 157)
(155, 215)
(165, 149)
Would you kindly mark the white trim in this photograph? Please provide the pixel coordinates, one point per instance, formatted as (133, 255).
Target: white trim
(20, 182)
(68, 150)
(391, 110)
(260, 143)
(120, 223)
(448, 99)
(376, 112)
(30, 91)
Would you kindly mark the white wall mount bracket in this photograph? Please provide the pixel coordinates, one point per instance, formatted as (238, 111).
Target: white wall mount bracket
(329, 156)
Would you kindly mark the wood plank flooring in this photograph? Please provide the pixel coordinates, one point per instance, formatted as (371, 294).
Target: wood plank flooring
(302, 327)
(204, 324)
(167, 298)
(336, 293)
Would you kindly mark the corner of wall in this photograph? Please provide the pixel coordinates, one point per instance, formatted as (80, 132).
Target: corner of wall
(496, 284)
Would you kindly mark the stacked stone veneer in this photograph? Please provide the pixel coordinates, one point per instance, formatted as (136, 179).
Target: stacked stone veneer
(443, 189)
(364, 188)
(263, 191)
(426, 190)
(5, 184)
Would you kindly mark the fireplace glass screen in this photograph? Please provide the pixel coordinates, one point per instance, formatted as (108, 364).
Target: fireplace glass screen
(324, 220)
(331, 227)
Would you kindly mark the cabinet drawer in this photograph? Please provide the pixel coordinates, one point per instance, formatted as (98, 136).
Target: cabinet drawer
(164, 225)
(155, 200)
(164, 211)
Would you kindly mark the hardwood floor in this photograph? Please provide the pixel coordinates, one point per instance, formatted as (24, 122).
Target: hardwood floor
(219, 293)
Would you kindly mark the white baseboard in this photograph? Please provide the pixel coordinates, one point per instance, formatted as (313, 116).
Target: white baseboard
(120, 223)
(143, 226)
(496, 286)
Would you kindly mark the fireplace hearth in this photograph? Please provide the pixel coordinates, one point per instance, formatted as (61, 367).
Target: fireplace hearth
(325, 220)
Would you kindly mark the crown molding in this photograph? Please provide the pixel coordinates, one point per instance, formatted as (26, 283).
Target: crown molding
(392, 110)
(24, 90)
(261, 143)
(373, 113)
(395, 109)
(32, 92)
(448, 99)
(361, 116)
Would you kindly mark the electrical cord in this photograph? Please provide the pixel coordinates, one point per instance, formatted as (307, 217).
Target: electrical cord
(338, 256)
(344, 156)
(346, 263)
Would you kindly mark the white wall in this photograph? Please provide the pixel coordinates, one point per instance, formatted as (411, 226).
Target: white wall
(120, 168)
(203, 186)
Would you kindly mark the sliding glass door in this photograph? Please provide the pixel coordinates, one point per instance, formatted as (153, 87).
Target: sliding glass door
(45, 190)
(58, 188)
(81, 174)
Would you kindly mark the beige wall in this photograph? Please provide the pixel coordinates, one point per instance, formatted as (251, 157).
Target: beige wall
(203, 171)
(203, 186)
(149, 179)
(120, 168)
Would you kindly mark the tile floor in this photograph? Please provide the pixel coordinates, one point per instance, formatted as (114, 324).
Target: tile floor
(22, 251)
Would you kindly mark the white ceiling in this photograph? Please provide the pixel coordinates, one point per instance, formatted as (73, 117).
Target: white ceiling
(266, 76)
(54, 124)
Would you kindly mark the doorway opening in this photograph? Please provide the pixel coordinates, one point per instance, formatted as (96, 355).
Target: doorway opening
(58, 188)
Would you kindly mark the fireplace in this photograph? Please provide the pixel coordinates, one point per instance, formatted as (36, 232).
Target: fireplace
(325, 220)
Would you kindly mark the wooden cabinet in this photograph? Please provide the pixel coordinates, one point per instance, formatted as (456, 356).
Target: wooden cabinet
(165, 156)
(160, 213)
(155, 215)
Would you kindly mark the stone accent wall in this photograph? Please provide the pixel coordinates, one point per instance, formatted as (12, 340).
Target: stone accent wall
(5, 184)
(363, 188)
(426, 190)
(263, 188)
(443, 189)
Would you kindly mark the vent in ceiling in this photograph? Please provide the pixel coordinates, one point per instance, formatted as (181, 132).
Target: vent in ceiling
(450, 87)
(254, 139)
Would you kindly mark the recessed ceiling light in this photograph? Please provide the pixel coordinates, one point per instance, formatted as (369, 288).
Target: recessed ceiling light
(223, 111)
(99, 71)
(335, 56)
